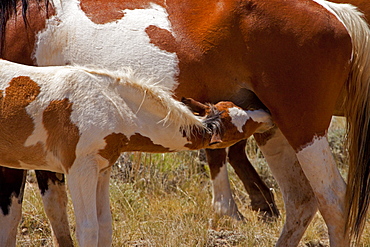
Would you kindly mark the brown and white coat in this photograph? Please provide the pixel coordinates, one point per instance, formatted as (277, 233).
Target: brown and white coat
(297, 56)
(77, 121)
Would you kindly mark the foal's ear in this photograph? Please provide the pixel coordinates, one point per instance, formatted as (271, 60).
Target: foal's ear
(195, 106)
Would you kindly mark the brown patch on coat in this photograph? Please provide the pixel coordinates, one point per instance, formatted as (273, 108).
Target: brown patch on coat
(162, 38)
(63, 135)
(20, 38)
(115, 143)
(200, 37)
(105, 11)
(17, 125)
(216, 159)
(118, 143)
(262, 138)
(142, 143)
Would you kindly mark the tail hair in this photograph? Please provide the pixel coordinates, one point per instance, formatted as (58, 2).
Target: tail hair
(357, 112)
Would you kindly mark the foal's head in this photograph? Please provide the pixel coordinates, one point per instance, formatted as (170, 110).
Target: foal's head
(229, 123)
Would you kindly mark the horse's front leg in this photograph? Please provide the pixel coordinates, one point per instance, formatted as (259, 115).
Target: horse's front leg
(262, 199)
(54, 196)
(103, 209)
(83, 179)
(320, 168)
(299, 199)
(223, 201)
(12, 183)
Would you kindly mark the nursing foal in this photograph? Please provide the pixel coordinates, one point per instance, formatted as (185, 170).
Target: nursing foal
(77, 121)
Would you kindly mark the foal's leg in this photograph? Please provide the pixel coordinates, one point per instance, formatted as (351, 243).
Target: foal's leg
(223, 201)
(54, 196)
(82, 182)
(261, 197)
(103, 209)
(12, 183)
(300, 202)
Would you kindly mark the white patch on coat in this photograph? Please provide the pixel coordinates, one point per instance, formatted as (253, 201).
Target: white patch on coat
(260, 116)
(70, 37)
(239, 117)
(39, 132)
(319, 166)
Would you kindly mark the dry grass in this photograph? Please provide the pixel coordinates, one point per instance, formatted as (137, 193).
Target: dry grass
(165, 200)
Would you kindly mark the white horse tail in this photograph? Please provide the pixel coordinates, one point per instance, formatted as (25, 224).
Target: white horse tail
(357, 112)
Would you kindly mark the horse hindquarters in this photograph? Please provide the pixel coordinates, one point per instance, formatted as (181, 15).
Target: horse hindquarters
(357, 112)
(298, 72)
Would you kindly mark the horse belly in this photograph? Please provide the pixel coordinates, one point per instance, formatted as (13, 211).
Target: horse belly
(32, 157)
(166, 142)
(26, 149)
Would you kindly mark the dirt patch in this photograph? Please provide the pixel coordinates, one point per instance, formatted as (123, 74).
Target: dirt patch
(224, 238)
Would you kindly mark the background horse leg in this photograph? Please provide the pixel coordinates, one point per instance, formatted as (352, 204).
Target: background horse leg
(223, 201)
(261, 197)
(12, 183)
(300, 202)
(103, 209)
(54, 197)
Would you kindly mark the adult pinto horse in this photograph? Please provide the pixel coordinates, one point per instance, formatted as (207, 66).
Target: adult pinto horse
(298, 56)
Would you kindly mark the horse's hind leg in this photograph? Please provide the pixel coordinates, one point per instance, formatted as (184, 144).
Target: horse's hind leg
(11, 196)
(54, 196)
(103, 209)
(319, 166)
(223, 201)
(299, 199)
(262, 199)
(86, 185)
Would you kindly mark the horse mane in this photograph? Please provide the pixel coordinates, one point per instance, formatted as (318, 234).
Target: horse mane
(212, 121)
(176, 112)
(9, 7)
